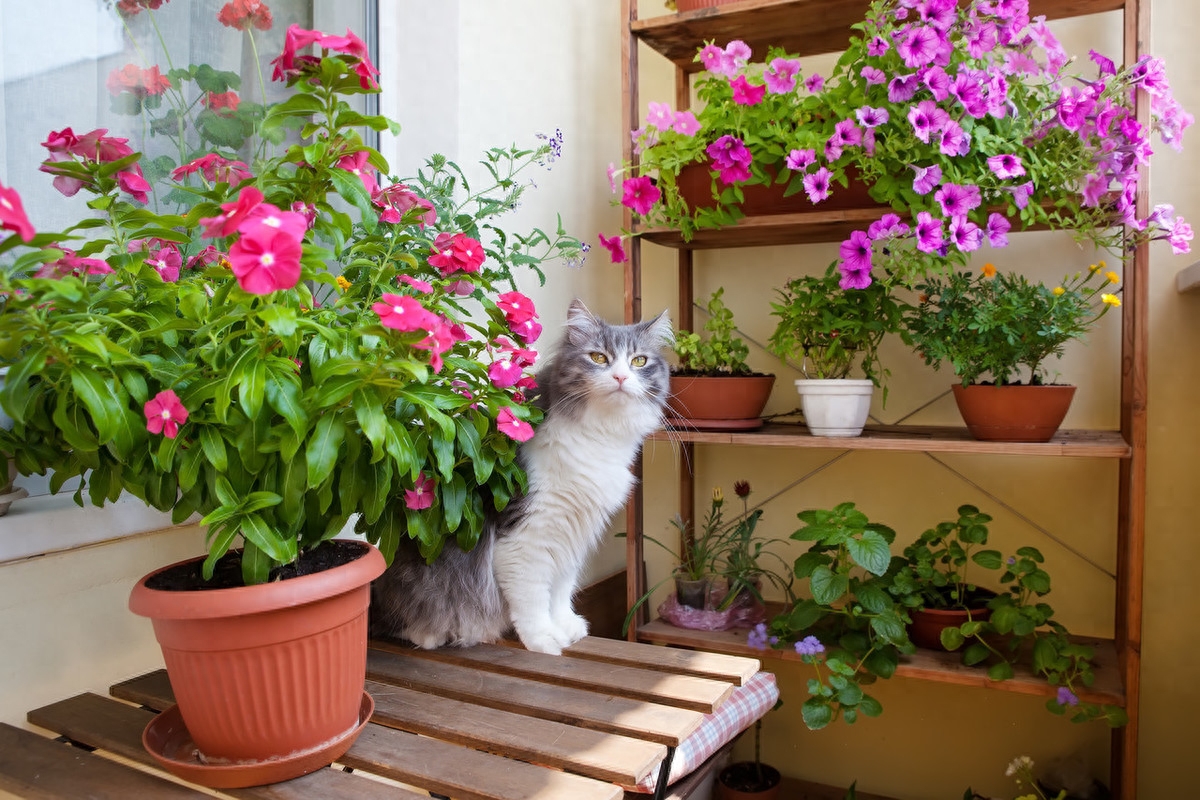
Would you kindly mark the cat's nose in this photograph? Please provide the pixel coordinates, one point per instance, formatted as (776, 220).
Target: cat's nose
(620, 379)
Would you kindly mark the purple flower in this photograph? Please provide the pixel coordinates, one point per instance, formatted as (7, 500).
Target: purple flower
(781, 75)
(873, 75)
(816, 185)
(1180, 237)
(937, 82)
(833, 150)
(981, 37)
(809, 646)
(846, 133)
(954, 140)
(1107, 67)
(728, 151)
(927, 178)
(877, 46)
(966, 235)
(685, 123)
(871, 117)
(1066, 697)
(1074, 107)
(997, 94)
(1094, 187)
(902, 87)
(997, 230)
(1006, 165)
(734, 173)
(856, 253)
(957, 200)
(929, 232)
(660, 115)
(799, 160)
(927, 118)
(639, 194)
(967, 88)
(1022, 193)
(758, 638)
(919, 46)
(887, 226)
(814, 83)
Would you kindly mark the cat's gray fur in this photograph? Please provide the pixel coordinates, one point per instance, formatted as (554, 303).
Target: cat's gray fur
(529, 559)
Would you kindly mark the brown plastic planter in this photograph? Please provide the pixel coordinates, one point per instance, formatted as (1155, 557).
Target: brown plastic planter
(1013, 413)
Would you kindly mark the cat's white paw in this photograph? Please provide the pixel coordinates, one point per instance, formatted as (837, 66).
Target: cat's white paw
(542, 640)
(571, 628)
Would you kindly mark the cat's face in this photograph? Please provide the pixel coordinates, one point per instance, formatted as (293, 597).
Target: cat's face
(614, 364)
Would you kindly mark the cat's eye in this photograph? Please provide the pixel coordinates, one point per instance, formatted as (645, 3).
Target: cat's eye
(598, 358)
(638, 361)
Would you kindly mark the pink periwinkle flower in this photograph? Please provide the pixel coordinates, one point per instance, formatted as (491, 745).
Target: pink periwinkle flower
(267, 262)
(12, 214)
(403, 313)
(421, 495)
(513, 427)
(165, 413)
(516, 307)
(455, 252)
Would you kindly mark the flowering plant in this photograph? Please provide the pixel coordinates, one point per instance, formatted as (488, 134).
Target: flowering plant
(1002, 325)
(1020, 769)
(852, 629)
(965, 118)
(292, 344)
(828, 331)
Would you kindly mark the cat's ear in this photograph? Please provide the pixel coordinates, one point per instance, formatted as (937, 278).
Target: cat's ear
(581, 324)
(660, 328)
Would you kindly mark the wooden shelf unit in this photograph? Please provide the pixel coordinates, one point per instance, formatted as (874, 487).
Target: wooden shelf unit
(810, 27)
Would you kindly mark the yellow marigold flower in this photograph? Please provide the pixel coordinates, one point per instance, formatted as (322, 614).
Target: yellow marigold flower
(1112, 277)
(1111, 300)
(342, 283)
(1096, 267)
(988, 270)
(1059, 291)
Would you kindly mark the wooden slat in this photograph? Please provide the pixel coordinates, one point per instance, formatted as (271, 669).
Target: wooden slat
(32, 766)
(465, 774)
(927, 665)
(603, 756)
(913, 439)
(152, 690)
(803, 27)
(718, 666)
(684, 691)
(110, 725)
(651, 721)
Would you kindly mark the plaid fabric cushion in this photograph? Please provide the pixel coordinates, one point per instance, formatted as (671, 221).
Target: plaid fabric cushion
(744, 706)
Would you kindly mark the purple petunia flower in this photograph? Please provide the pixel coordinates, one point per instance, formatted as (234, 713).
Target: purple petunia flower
(887, 226)
(1094, 188)
(728, 151)
(927, 178)
(1180, 236)
(781, 75)
(937, 82)
(919, 46)
(957, 200)
(902, 87)
(735, 173)
(800, 159)
(954, 141)
(981, 37)
(814, 83)
(846, 134)
(1021, 194)
(1066, 697)
(1006, 165)
(966, 235)
(871, 117)
(873, 75)
(816, 185)
(877, 46)
(929, 232)
(856, 252)
(809, 646)
(997, 230)
(927, 119)
(1106, 65)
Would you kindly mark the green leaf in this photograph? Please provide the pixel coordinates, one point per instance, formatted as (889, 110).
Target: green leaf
(807, 562)
(256, 531)
(252, 387)
(256, 566)
(214, 448)
(976, 653)
(827, 586)
(1000, 672)
(322, 449)
(283, 395)
(952, 638)
(369, 411)
(870, 706)
(871, 552)
(816, 714)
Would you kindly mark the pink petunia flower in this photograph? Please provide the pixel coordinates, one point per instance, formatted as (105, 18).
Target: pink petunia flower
(639, 194)
(165, 413)
(683, 123)
(615, 247)
(746, 93)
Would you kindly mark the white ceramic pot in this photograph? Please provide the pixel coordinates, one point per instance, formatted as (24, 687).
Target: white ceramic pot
(835, 407)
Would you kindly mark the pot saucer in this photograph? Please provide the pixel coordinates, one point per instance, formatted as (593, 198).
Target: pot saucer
(166, 738)
(680, 424)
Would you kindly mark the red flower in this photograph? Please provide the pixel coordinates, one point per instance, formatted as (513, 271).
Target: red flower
(421, 495)
(137, 81)
(403, 313)
(214, 168)
(224, 103)
(132, 183)
(453, 252)
(165, 413)
(241, 14)
(441, 338)
(397, 200)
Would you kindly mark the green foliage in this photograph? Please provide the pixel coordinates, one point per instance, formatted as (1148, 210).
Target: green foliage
(1001, 325)
(721, 351)
(827, 330)
(304, 410)
(852, 627)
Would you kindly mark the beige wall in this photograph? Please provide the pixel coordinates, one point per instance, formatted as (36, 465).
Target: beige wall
(522, 66)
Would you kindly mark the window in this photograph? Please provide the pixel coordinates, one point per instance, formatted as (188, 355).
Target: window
(61, 65)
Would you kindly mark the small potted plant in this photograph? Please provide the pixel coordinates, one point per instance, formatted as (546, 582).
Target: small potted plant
(713, 388)
(831, 334)
(998, 331)
(281, 347)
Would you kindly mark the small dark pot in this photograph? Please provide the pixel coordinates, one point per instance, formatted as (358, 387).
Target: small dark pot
(927, 624)
(692, 593)
(745, 780)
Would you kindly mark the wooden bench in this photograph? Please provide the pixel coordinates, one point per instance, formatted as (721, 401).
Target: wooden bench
(493, 721)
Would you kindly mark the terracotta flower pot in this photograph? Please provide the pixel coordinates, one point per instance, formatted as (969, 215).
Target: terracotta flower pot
(927, 624)
(266, 672)
(721, 403)
(692, 5)
(695, 186)
(1013, 413)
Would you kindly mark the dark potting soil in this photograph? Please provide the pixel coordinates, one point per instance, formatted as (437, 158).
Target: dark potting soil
(700, 373)
(188, 577)
(747, 776)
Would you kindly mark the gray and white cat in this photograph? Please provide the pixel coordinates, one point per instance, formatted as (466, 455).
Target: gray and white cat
(603, 392)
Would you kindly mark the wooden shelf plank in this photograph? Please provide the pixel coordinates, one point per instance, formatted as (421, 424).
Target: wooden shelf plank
(928, 665)
(911, 438)
(803, 27)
